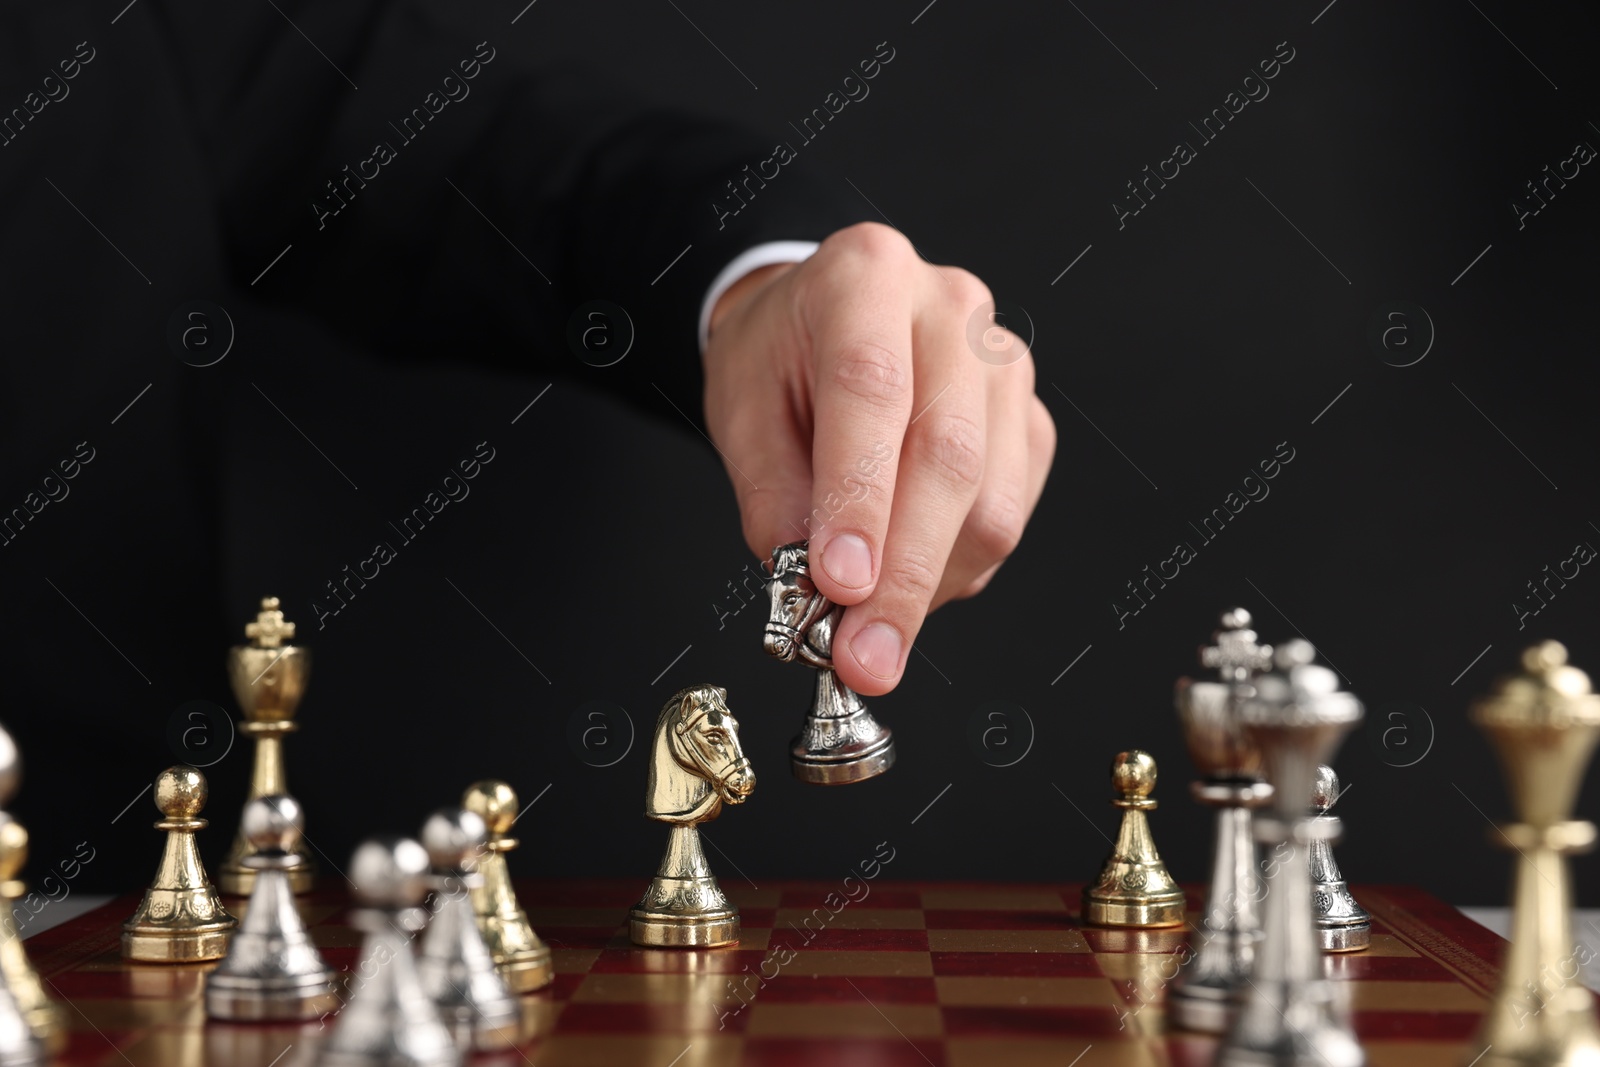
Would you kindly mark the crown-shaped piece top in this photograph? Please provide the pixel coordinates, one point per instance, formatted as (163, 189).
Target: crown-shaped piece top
(1299, 692)
(1297, 715)
(270, 629)
(1236, 655)
(1547, 691)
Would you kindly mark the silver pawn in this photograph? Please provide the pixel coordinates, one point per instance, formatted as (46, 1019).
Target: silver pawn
(272, 970)
(455, 965)
(19, 1046)
(1342, 924)
(389, 1020)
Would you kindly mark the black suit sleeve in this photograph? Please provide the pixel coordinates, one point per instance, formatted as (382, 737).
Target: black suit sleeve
(460, 204)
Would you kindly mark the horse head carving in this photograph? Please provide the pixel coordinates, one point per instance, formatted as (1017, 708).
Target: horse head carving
(800, 619)
(840, 741)
(696, 764)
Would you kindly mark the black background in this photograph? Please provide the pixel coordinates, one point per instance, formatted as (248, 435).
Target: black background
(598, 543)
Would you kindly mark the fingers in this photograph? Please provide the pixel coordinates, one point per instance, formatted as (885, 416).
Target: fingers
(851, 411)
(973, 547)
(860, 310)
(772, 484)
(940, 472)
(764, 448)
(994, 525)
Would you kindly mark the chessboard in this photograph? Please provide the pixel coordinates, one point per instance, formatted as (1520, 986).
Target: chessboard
(950, 974)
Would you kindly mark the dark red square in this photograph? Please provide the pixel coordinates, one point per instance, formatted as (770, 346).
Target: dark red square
(998, 919)
(677, 961)
(1416, 1025)
(1358, 966)
(1192, 1050)
(834, 939)
(1085, 1021)
(1017, 964)
(578, 936)
(562, 986)
(792, 986)
(341, 957)
(590, 1017)
(862, 1052)
(874, 896)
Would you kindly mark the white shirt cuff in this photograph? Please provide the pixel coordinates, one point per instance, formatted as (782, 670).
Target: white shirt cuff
(762, 255)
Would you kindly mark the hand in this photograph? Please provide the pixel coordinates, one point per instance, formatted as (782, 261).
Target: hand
(850, 409)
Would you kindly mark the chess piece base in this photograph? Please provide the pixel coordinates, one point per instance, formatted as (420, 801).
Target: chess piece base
(477, 1032)
(1568, 1055)
(1318, 1042)
(527, 972)
(241, 881)
(1233, 1057)
(190, 946)
(1352, 938)
(44, 1016)
(1147, 912)
(25, 1050)
(841, 766)
(365, 1058)
(1202, 1009)
(1318, 1036)
(654, 929)
(474, 1030)
(51, 1030)
(683, 907)
(307, 998)
(1209, 988)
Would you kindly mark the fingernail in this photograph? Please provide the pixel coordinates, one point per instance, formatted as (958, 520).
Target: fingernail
(848, 561)
(877, 649)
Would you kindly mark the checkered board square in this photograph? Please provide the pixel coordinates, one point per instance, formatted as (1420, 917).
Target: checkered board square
(905, 973)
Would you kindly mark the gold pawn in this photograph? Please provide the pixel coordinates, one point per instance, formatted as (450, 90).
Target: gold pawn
(43, 1015)
(269, 678)
(1134, 888)
(181, 919)
(522, 959)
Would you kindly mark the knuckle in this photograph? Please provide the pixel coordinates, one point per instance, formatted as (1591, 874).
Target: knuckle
(1026, 370)
(995, 525)
(870, 240)
(1042, 430)
(915, 577)
(967, 290)
(953, 445)
(974, 587)
(872, 372)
